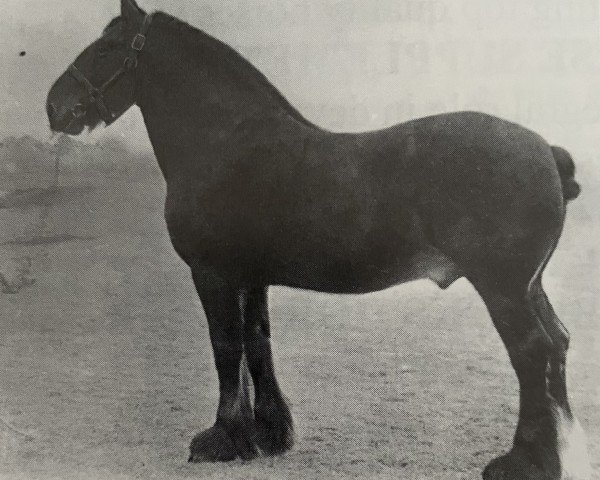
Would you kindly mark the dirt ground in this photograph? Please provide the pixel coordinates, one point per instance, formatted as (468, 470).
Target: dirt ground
(107, 370)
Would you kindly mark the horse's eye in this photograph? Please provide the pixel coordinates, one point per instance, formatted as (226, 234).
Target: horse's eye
(103, 52)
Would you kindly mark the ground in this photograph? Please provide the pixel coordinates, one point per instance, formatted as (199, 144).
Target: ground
(107, 370)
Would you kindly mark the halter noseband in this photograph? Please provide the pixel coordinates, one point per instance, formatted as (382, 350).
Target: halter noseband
(96, 94)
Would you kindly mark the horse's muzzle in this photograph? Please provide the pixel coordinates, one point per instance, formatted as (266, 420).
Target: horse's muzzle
(66, 120)
(51, 111)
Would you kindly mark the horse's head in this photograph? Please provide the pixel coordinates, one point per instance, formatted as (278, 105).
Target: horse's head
(100, 84)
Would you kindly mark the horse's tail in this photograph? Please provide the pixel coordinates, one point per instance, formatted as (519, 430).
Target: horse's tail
(566, 169)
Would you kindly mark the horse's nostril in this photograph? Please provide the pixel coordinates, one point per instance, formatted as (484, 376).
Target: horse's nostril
(79, 110)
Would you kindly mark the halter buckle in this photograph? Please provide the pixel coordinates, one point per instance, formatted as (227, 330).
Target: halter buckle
(138, 42)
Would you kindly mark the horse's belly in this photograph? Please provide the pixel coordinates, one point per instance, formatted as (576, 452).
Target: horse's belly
(353, 277)
(353, 261)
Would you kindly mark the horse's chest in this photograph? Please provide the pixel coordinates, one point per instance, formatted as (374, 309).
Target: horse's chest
(202, 227)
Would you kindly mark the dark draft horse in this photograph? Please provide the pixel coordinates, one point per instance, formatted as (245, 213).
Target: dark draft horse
(257, 195)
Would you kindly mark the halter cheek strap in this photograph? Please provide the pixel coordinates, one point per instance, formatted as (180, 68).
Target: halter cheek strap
(96, 94)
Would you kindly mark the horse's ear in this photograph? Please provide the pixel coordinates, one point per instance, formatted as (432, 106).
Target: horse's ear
(130, 11)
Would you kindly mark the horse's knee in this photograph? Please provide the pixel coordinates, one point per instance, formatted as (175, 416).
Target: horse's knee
(258, 352)
(256, 327)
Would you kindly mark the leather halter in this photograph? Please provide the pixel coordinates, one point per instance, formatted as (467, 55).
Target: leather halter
(96, 94)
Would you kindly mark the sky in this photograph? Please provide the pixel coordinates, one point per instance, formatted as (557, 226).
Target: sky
(348, 64)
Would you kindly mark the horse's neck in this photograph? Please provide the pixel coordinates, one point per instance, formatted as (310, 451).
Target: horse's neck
(190, 108)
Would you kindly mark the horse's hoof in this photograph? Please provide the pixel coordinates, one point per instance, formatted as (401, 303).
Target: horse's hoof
(515, 466)
(217, 444)
(274, 429)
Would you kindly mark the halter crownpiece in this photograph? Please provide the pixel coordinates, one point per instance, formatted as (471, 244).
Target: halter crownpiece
(96, 94)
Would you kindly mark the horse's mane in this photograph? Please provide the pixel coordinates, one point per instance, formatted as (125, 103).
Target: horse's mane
(111, 24)
(227, 56)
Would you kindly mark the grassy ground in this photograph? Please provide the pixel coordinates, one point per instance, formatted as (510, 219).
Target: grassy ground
(107, 370)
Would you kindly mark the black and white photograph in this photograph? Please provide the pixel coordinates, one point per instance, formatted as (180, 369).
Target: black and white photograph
(300, 239)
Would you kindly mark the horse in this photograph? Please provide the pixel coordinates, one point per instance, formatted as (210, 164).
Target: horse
(257, 195)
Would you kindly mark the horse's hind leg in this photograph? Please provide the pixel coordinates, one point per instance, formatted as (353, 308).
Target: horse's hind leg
(274, 427)
(233, 433)
(536, 344)
(572, 447)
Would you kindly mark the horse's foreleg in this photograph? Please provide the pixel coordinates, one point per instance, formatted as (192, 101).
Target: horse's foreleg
(536, 346)
(273, 418)
(233, 433)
